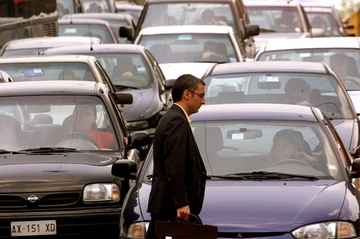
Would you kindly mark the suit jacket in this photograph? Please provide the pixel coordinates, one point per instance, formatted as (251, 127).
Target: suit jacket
(179, 172)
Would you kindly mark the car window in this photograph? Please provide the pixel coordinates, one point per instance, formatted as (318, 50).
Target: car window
(326, 21)
(115, 67)
(177, 48)
(268, 18)
(322, 91)
(186, 14)
(234, 147)
(52, 120)
(86, 30)
(352, 75)
(49, 71)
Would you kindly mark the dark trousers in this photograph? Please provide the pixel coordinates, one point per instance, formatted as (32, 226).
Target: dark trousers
(151, 234)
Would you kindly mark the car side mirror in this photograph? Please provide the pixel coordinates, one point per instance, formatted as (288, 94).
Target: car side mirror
(122, 98)
(169, 84)
(124, 168)
(252, 30)
(138, 139)
(355, 168)
(317, 32)
(127, 32)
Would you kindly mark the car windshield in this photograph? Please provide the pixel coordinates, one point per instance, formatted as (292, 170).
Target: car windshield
(321, 91)
(275, 19)
(98, 31)
(56, 121)
(31, 71)
(343, 61)
(325, 21)
(253, 150)
(96, 5)
(190, 47)
(187, 14)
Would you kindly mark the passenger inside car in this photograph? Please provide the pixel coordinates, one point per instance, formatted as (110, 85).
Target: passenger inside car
(10, 131)
(339, 62)
(125, 71)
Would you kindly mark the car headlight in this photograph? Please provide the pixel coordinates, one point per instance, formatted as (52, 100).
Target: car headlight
(137, 230)
(325, 230)
(101, 192)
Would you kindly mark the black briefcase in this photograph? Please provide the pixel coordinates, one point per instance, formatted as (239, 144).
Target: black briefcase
(185, 230)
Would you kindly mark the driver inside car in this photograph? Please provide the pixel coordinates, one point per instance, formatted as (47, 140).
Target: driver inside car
(290, 144)
(82, 125)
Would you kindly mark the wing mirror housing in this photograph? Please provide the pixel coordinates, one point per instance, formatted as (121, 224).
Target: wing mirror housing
(355, 168)
(124, 168)
(127, 32)
(252, 30)
(122, 98)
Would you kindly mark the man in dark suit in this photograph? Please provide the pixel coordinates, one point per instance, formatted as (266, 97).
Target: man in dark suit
(179, 173)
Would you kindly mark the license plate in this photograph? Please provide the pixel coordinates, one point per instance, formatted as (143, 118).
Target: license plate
(33, 228)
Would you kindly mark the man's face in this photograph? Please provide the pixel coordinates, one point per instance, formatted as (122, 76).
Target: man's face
(85, 118)
(301, 94)
(196, 99)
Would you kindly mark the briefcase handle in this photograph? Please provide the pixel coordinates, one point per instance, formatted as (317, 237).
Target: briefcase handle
(192, 219)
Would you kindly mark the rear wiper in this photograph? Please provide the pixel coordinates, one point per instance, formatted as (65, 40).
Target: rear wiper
(48, 150)
(271, 175)
(266, 30)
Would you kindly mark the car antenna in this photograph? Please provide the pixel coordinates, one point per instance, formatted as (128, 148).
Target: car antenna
(91, 47)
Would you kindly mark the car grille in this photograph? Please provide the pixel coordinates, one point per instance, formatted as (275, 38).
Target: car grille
(43, 200)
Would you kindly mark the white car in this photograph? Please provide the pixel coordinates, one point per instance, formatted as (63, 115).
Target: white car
(190, 49)
(280, 20)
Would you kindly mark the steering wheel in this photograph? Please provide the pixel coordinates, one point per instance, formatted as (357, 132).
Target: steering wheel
(79, 136)
(292, 161)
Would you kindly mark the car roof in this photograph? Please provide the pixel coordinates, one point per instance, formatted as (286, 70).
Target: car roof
(270, 3)
(45, 58)
(188, 1)
(186, 29)
(100, 48)
(83, 21)
(45, 42)
(254, 111)
(269, 66)
(316, 42)
(24, 88)
(98, 15)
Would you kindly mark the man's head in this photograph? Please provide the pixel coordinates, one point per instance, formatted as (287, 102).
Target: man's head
(189, 92)
(339, 63)
(124, 64)
(298, 90)
(85, 117)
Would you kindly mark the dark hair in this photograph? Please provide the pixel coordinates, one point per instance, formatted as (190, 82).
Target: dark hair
(185, 82)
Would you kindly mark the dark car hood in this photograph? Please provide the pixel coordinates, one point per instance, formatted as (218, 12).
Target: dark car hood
(348, 131)
(27, 173)
(268, 206)
(146, 103)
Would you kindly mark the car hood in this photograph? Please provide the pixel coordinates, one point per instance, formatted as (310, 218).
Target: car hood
(355, 97)
(174, 70)
(348, 131)
(243, 204)
(53, 172)
(267, 36)
(146, 103)
(265, 206)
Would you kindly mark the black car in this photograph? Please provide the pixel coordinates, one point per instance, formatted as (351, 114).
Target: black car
(55, 178)
(188, 12)
(151, 95)
(247, 194)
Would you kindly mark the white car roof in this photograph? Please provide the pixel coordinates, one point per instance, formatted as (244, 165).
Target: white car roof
(317, 42)
(186, 29)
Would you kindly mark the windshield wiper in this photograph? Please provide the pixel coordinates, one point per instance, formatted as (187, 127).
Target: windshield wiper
(266, 30)
(4, 151)
(48, 150)
(271, 175)
(124, 87)
(232, 176)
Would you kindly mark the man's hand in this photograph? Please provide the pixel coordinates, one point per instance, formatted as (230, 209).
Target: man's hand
(183, 213)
